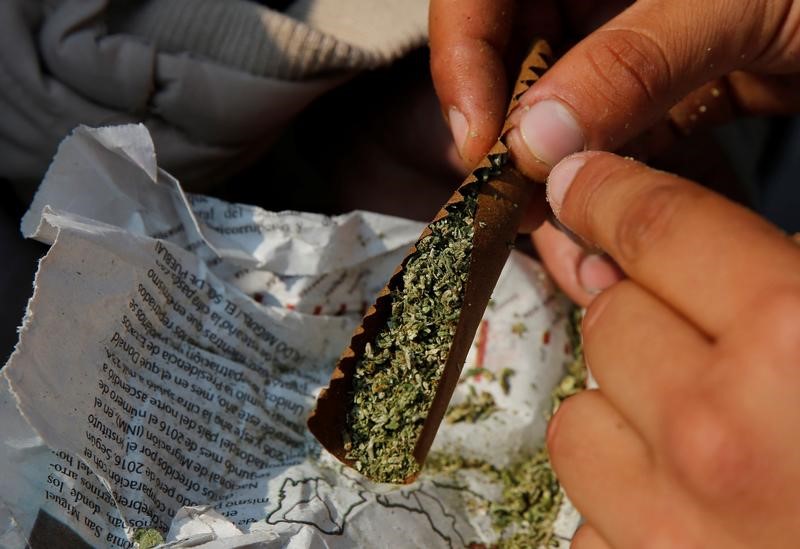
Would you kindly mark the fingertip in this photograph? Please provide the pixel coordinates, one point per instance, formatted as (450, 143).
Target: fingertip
(475, 121)
(480, 138)
(598, 272)
(531, 167)
(561, 257)
(560, 178)
(459, 127)
(542, 135)
(550, 131)
(470, 80)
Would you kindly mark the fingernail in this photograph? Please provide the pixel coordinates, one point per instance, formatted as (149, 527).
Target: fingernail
(597, 273)
(560, 179)
(550, 131)
(459, 127)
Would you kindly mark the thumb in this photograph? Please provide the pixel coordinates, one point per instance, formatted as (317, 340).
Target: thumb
(625, 76)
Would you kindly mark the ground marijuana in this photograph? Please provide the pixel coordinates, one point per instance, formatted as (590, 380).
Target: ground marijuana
(396, 380)
(476, 407)
(531, 496)
(146, 538)
(505, 379)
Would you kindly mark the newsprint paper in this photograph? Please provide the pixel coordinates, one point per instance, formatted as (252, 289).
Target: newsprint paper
(173, 349)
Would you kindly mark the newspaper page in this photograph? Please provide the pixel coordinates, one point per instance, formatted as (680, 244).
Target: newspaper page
(173, 349)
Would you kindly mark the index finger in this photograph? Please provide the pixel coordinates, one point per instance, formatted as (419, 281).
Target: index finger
(707, 257)
(468, 39)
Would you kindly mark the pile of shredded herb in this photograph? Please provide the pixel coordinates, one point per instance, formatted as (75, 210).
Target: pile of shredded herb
(531, 497)
(396, 380)
(146, 538)
(574, 381)
(474, 408)
(504, 377)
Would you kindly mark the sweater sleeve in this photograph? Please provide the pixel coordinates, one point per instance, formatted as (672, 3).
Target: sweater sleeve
(215, 81)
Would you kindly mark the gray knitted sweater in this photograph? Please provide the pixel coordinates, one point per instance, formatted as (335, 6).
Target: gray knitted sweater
(213, 80)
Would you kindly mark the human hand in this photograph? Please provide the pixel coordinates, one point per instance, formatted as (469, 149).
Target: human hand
(714, 59)
(476, 47)
(690, 440)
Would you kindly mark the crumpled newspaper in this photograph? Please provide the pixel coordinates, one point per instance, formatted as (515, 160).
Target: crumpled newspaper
(172, 351)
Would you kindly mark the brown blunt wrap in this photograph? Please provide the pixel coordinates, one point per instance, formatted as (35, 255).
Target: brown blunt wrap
(501, 203)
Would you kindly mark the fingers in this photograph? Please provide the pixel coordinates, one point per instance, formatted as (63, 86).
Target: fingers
(468, 40)
(624, 77)
(644, 356)
(581, 275)
(603, 466)
(613, 480)
(709, 258)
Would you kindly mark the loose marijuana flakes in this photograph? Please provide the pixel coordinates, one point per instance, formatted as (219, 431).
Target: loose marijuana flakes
(505, 379)
(479, 406)
(531, 497)
(146, 538)
(474, 408)
(488, 375)
(396, 380)
(530, 502)
(519, 329)
(575, 379)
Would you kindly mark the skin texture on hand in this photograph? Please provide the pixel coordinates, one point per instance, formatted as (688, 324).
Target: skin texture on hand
(657, 70)
(690, 441)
